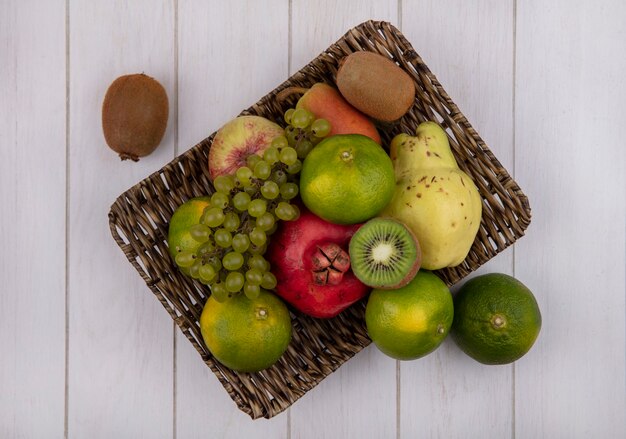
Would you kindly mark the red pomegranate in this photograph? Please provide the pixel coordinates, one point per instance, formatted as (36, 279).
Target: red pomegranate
(310, 260)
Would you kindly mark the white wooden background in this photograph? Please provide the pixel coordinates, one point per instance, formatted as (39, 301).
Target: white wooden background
(86, 351)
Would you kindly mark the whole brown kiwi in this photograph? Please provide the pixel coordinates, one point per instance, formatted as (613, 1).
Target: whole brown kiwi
(375, 85)
(134, 115)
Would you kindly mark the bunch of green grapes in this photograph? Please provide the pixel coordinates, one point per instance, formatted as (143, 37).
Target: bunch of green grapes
(234, 228)
(304, 130)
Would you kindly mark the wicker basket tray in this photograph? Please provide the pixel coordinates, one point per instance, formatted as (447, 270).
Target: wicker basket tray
(139, 223)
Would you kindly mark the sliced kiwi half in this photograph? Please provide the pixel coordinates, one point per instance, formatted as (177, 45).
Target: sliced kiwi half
(384, 254)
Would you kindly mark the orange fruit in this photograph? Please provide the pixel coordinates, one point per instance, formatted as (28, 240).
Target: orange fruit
(347, 179)
(411, 321)
(186, 215)
(246, 335)
(497, 319)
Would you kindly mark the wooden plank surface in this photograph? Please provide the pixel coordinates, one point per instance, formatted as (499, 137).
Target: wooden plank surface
(120, 337)
(448, 394)
(569, 155)
(359, 399)
(32, 220)
(540, 81)
(225, 65)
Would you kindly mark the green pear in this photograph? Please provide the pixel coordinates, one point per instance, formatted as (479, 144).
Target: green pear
(433, 197)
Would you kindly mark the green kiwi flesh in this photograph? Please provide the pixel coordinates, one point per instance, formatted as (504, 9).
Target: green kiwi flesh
(384, 254)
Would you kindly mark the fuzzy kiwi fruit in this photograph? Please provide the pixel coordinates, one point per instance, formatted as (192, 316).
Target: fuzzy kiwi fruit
(134, 115)
(384, 254)
(375, 85)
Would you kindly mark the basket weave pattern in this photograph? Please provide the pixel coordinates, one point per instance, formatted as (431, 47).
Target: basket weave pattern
(139, 223)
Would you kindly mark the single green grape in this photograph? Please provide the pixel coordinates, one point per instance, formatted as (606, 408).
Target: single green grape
(224, 183)
(288, 190)
(258, 262)
(266, 221)
(232, 261)
(207, 272)
(279, 176)
(194, 270)
(234, 282)
(215, 262)
(284, 211)
(294, 216)
(257, 207)
(252, 160)
(288, 156)
(263, 169)
(200, 232)
(303, 148)
(219, 292)
(207, 248)
(220, 200)
(320, 128)
(270, 190)
(185, 259)
(254, 276)
(251, 291)
(279, 142)
(258, 249)
(240, 242)
(214, 217)
(243, 175)
(223, 238)
(289, 114)
(269, 281)
(271, 154)
(291, 134)
(241, 200)
(231, 221)
(204, 213)
(294, 168)
(301, 118)
(251, 190)
(258, 236)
